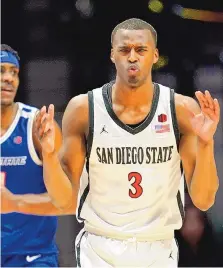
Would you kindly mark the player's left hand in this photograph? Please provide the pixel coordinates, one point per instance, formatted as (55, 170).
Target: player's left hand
(205, 123)
(8, 200)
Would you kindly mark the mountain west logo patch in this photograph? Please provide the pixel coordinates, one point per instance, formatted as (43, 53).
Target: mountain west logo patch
(162, 118)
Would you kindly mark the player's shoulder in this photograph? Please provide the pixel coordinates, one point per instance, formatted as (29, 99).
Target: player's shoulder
(182, 113)
(178, 98)
(80, 103)
(27, 107)
(77, 105)
(191, 102)
(27, 110)
(76, 115)
(163, 87)
(75, 118)
(164, 92)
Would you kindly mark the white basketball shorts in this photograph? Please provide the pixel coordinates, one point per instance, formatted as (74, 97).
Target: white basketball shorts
(99, 251)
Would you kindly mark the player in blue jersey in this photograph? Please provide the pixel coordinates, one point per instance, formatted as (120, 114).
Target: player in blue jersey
(26, 240)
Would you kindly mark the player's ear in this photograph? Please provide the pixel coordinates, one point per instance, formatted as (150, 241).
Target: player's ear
(156, 56)
(112, 55)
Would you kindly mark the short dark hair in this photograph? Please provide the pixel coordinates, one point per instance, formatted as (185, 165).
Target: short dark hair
(5, 47)
(135, 24)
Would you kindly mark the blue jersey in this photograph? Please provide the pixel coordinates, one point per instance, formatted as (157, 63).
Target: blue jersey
(22, 172)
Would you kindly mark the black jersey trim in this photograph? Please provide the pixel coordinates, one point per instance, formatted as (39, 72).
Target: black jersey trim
(174, 118)
(78, 250)
(106, 92)
(179, 199)
(91, 122)
(180, 205)
(89, 146)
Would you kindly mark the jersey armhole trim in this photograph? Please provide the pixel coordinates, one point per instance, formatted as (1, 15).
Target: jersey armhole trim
(78, 249)
(181, 199)
(31, 146)
(174, 118)
(91, 123)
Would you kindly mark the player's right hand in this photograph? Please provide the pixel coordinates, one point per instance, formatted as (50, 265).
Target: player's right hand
(45, 128)
(8, 201)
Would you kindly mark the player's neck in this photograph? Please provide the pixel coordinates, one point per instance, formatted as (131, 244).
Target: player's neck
(8, 114)
(127, 96)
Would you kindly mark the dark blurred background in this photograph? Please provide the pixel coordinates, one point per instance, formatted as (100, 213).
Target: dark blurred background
(64, 46)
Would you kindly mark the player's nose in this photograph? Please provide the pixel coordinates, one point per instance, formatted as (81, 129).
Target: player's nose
(7, 77)
(132, 56)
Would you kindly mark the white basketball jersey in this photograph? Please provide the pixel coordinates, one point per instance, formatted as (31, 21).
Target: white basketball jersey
(135, 184)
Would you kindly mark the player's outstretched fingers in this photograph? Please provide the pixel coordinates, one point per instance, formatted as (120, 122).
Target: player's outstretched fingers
(47, 124)
(51, 111)
(201, 99)
(43, 123)
(217, 109)
(209, 99)
(38, 119)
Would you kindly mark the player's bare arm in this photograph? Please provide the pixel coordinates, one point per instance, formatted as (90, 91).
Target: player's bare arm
(38, 204)
(197, 124)
(62, 171)
(35, 204)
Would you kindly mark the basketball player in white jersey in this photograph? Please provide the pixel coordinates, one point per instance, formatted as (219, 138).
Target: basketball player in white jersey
(134, 134)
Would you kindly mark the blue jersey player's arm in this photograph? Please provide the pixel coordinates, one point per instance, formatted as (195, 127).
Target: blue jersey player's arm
(197, 126)
(36, 204)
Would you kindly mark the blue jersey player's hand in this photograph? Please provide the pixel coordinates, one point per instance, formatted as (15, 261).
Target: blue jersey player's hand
(45, 128)
(9, 202)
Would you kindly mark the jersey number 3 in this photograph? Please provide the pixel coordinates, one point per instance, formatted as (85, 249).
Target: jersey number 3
(136, 185)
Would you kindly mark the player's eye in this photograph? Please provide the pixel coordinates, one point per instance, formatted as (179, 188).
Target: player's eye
(124, 49)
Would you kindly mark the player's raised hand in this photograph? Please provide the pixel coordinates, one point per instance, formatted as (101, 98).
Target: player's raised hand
(45, 128)
(205, 123)
(8, 200)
